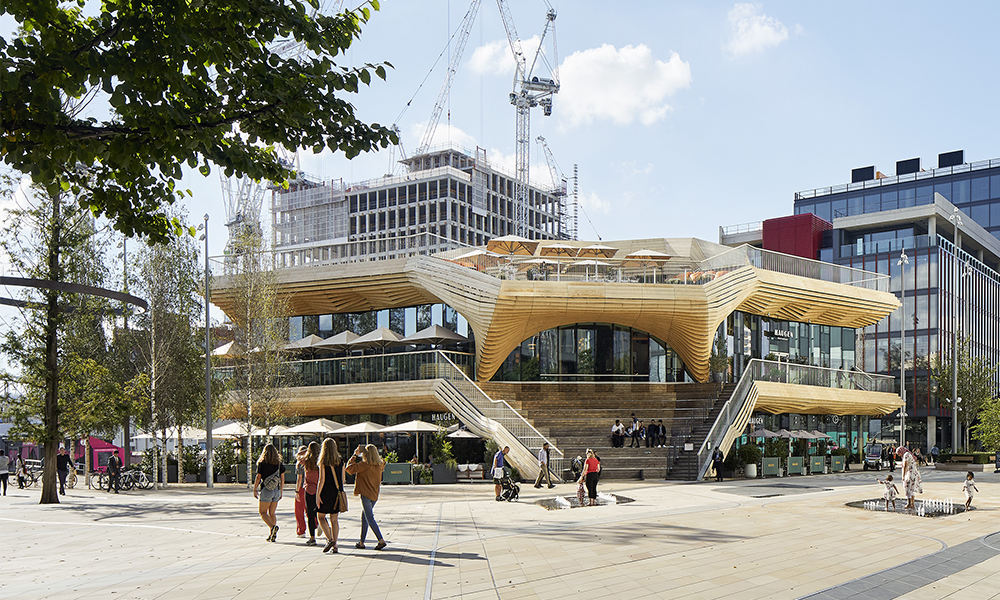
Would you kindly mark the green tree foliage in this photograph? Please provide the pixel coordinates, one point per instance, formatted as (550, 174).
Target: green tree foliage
(257, 391)
(58, 355)
(164, 342)
(975, 386)
(180, 82)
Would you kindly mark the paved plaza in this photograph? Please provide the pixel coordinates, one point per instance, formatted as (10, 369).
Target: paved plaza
(774, 538)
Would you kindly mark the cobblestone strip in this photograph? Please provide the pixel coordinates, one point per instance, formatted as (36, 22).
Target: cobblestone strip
(897, 581)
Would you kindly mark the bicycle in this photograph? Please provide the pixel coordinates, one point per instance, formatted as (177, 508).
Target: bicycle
(141, 480)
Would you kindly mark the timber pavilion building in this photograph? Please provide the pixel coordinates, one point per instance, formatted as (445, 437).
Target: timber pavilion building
(554, 340)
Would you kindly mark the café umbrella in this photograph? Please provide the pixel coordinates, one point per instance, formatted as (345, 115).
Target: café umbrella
(365, 427)
(415, 426)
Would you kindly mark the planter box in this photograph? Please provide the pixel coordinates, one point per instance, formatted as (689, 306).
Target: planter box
(397, 473)
(836, 463)
(190, 479)
(795, 465)
(222, 478)
(817, 464)
(444, 474)
(772, 465)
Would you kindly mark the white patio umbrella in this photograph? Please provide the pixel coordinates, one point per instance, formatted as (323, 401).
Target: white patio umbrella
(275, 430)
(558, 251)
(415, 426)
(305, 343)
(646, 258)
(341, 341)
(591, 263)
(597, 251)
(234, 429)
(188, 433)
(365, 427)
(435, 335)
(314, 427)
(228, 350)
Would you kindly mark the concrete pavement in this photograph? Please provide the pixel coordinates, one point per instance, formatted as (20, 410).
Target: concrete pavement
(774, 538)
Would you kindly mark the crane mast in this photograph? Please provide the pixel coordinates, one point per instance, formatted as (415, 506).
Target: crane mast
(463, 37)
(529, 91)
(243, 196)
(567, 230)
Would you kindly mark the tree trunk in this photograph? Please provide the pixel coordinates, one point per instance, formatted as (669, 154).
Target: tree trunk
(86, 462)
(180, 455)
(50, 439)
(166, 471)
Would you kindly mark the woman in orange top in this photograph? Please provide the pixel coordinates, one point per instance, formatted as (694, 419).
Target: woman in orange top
(591, 471)
(367, 465)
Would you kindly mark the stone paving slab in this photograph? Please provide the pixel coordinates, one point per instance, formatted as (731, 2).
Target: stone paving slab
(677, 540)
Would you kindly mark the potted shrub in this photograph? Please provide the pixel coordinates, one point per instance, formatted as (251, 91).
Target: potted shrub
(749, 455)
(192, 463)
(731, 464)
(396, 471)
(223, 459)
(443, 459)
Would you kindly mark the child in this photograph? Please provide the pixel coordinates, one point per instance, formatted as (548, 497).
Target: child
(890, 492)
(970, 484)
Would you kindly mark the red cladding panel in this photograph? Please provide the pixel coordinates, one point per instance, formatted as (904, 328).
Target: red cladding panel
(798, 235)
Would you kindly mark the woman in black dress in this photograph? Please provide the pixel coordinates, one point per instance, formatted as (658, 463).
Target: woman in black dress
(331, 483)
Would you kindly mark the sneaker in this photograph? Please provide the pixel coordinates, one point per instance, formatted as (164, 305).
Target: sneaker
(329, 544)
(381, 544)
(312, 542)
(360, 545)
(538, 487)
(551, 486)
(301, 535)
(498, 498)
(274, 534)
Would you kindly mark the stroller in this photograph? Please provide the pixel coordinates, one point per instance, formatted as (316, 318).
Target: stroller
(509, 489)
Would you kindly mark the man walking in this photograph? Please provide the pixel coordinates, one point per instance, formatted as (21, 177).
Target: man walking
(498, 464)
(62, 469)
(114, 472)
(543, 466)
(934, 453)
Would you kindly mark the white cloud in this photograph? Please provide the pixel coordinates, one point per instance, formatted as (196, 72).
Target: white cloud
(593, 203)
(751, 31)
(496, 58)
(620, 85)
(443, 134)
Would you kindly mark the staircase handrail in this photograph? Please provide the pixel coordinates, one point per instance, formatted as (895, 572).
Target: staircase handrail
(725, 418)
(509, 415)
(759, 369)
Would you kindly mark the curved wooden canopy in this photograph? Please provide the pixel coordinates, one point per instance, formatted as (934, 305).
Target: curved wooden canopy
(503, 313)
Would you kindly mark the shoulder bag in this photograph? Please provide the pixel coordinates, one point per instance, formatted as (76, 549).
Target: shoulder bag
(272, 481)
(342, 495)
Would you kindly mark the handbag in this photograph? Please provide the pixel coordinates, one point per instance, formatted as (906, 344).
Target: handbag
(341, 496)
(271, 482)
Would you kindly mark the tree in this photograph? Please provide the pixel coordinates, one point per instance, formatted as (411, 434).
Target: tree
(257, 393)
(975, 386)
(168, 349)
(53, 239)
(192, 83)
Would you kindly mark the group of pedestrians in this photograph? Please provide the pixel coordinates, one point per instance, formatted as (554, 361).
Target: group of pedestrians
(320, 494)
(654, 433)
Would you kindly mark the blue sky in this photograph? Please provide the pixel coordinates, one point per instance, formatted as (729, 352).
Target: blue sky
(684, 116)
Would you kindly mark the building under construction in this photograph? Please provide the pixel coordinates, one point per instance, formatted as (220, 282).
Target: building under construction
(449, 198)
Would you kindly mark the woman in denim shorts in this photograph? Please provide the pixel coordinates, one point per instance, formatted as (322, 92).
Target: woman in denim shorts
(267, 487)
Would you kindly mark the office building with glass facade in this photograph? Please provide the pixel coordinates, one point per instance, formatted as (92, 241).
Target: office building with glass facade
(947, 221)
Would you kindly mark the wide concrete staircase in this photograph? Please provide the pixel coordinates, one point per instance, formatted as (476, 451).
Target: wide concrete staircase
(577, 416)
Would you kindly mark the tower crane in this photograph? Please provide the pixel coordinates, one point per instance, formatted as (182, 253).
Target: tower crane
(243, 196)
(529, 91)
(567, 228)
(461, 37)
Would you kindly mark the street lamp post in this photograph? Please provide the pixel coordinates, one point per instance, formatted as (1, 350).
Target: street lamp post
(209, 451)
(902, 262)
(956, 219)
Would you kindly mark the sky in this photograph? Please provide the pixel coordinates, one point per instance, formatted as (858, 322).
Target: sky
(687, 116)
(682, 116)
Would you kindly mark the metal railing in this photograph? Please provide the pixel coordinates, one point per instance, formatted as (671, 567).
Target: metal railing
(742, 228)
(894, 179)
(767, 260)
(377, 368)
(498, 420)
(782, 372)
(893, 245)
